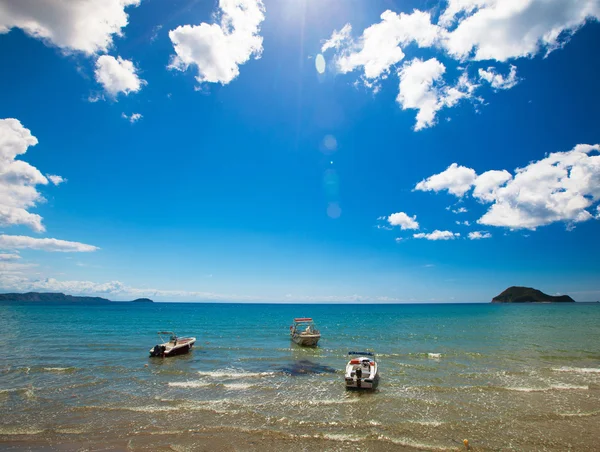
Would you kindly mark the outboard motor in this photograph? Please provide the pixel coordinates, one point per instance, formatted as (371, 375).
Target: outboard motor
(158, 350)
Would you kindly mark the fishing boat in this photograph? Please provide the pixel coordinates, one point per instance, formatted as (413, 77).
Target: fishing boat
(304, 332)
(174, 346)
(362, 371)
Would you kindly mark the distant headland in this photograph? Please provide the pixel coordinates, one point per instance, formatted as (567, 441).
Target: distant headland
(58, 297)
(517, 294)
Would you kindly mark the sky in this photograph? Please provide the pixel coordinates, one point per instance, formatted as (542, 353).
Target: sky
(373, 151)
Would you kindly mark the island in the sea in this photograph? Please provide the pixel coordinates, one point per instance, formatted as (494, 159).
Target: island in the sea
(59, 297)
(516, 294)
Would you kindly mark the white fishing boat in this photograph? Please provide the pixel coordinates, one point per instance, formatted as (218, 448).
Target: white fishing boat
(304, 332)
(362, 371)
(174, 346)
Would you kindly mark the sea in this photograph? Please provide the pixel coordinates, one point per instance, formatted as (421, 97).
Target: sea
(77, 376)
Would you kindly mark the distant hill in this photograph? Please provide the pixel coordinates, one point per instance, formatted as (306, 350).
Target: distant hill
(54, 297)
(142, 300)
(517, 294)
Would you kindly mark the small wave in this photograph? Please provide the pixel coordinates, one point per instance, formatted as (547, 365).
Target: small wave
(319, 402)
(232, 374)
(167, 432)
(71, 431)
(27, 392)
(427, 423)
(434, 355)
(578, 370)
(341, 437)
(8, 431)
(557, 387)
(579, 414)
(239, 386)
(60, 369)
(188, 384)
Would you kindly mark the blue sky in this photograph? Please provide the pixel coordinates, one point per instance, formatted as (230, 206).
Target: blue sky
(300, 150)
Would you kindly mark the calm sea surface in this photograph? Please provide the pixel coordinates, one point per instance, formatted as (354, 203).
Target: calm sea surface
(522, 377)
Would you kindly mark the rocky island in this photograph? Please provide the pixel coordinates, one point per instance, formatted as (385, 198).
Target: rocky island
(58, 297)
(516, 294)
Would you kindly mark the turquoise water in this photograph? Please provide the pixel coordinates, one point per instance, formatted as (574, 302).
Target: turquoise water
(523, 377)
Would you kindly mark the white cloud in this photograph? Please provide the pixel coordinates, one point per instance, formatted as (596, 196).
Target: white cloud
(117, 290)
(403, 220)
(18, 179)
(504, 29)
(87, 26)
(437, 235)
(478, 235)
(460, 210)
(13, 242)
(217, 50)
(4, 257)
(463, 223)
(117, 75)
(133, 118)
(499, 81)
(417, 89)
(497, 30)
(422, 88)
(488, 183)
(56, 180)
(456, 179)
(379, 47)
(14, 268)
(558, 188)
(338, 39)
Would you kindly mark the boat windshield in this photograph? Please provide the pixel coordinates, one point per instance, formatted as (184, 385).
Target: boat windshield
(305, 326)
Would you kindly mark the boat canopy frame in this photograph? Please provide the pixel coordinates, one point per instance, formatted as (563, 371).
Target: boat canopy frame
(171, 334)
(303, 320)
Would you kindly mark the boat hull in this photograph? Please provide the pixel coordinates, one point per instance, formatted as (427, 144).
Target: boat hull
(362, 383)
(306, 340)
(164, 351)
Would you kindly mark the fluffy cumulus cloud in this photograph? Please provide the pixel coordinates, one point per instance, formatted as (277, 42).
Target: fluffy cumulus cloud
(562, 187)
(499, 81)
(467, 30)
(422, 88)
(487, 184)
(87, 26)
(478, 235)
(117, 75)
(18, 179)
(504, 29)
(217, 50)
(437, 235)
(417, 89)
(380, 45)
(14, 242)
(403, 220)
(56, 180)
(456, 179)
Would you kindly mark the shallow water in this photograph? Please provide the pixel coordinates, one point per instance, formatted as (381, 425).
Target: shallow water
(523, 377)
